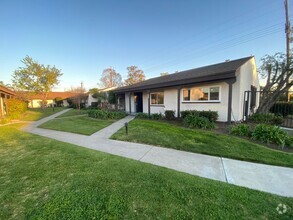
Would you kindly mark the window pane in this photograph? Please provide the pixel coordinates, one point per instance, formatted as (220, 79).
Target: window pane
(157, 98)
(214, 93)
(160, 98)
(154, 98)
(199, 94)
(186, 94)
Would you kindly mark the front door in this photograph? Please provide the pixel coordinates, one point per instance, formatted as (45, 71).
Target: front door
(138, 101)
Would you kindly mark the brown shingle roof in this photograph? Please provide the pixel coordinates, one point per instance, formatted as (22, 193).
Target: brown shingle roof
(217, 71)
(6, 90)
(53, 95)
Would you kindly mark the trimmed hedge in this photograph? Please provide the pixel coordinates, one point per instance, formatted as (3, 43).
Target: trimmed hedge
(156, 116)
(106, 114)
(212, 116)
(194, 121)
(170, 115)
(15, 108)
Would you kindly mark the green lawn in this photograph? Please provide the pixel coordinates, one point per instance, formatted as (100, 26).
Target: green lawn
(73, 112)
(80, 125)
(201, 141)
(34, 114)
(41, 178)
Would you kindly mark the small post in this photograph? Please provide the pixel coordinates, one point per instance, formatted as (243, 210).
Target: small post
(126, 127)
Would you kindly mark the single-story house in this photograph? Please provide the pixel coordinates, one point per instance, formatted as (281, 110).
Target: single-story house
(5, 94)
(35, 100)
(218, 87)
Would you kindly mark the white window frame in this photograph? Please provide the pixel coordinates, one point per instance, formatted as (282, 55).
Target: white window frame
(202, 101)
(157, 93)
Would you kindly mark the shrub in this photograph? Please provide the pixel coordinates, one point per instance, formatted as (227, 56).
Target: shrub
(282, 108)
(240, 130)
(270, 134)
(289, 141)
(106, 114)
(15, 108)
(266, 118)
(170, 115)
(194, 121)
(142, 116)
(212, 116)
(156, 116)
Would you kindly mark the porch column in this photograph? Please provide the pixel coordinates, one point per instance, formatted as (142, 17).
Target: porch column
(129, 102)
(149, 103)
(178, 102)
(230, 84)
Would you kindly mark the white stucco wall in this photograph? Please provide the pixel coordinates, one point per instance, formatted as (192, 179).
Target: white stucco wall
(127, 102)
(247, 76)
(90, 100)
(221, 107)
(36, 103)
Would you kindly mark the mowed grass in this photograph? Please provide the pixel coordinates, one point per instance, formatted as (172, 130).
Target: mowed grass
(41, 178)
(80, 125)
(201, 141)
(73, 112)
(34, 114)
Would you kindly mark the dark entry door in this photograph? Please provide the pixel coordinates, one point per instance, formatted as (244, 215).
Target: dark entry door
(138, 101)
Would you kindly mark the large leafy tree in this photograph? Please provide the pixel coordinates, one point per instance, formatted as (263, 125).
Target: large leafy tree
(36, 77)
(110, 78)
(278, 74)
(135, 75)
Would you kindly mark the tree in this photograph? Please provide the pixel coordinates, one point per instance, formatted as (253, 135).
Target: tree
(110, 78)
(35, 77)
(78, 96)
(278, 74)
(135, 75)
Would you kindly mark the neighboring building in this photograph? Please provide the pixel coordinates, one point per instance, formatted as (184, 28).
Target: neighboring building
(219, 87)
(5, 94)
(91, 101)
(35, 100)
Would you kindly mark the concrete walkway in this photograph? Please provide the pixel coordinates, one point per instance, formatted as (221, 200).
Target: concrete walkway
(272, 179)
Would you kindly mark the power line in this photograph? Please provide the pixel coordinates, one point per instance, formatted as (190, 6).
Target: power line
(243, 38)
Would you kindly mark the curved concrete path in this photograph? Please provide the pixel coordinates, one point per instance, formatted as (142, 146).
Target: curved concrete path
(272, 179)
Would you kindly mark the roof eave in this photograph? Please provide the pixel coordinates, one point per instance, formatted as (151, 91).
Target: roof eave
(206, 79)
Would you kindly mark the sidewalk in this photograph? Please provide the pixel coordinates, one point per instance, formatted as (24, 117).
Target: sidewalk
(272, 179)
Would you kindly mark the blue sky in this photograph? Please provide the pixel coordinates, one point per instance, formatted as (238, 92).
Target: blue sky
(84, 37)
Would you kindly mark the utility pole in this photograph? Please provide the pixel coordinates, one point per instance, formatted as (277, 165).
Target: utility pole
(288, 40)
(287, 31)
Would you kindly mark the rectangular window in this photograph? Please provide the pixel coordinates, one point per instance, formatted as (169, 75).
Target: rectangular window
(157, 98)
(204, 94)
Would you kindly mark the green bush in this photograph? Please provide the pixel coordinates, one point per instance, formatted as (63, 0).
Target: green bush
(282, 108)
(15, 108)
(106, 114)
(240, 130)
(266, 118)
(212, 116)
(170, 115)
(142, 116)
(194, 121)
(270, 134)
(156, 116)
